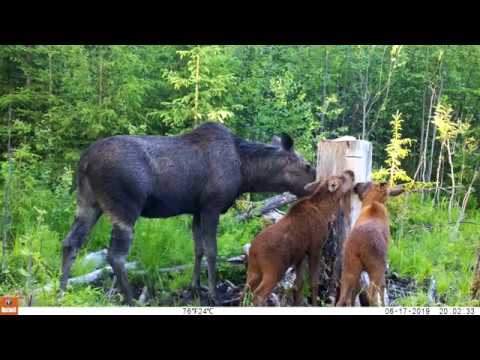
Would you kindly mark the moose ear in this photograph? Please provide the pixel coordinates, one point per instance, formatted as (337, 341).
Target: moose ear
(283, 141)
(396, 191)
(311, 187)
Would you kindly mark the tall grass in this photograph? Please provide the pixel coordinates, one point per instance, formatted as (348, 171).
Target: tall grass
(425, 245)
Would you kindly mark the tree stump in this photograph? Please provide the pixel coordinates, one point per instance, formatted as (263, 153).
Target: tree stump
(334, 157)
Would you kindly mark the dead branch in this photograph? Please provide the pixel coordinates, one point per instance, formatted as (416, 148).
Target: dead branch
(268, 205)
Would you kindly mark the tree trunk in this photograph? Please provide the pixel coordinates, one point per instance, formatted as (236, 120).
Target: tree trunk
(452, 174)
(100, 79)
(197, 88)
(333, 158)
(50, 74)
(6, 221)
(437, 184)
(427, 131)
(28, 60)
(465, 199)
(421, 160)
(476, 279)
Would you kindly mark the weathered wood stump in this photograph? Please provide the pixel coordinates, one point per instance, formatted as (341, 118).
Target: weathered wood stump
(334, 157)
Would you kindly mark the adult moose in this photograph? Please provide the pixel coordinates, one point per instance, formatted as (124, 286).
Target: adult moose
(199, 173)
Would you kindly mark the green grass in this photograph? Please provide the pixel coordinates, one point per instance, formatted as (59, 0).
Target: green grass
(79, 296)
(424, 244)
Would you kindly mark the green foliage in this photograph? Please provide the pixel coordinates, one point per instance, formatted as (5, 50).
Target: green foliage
(201, 85)
(77, 297)
(65, 97)
(397, 150)
(163, 243)
(447, 129)
(424, 245)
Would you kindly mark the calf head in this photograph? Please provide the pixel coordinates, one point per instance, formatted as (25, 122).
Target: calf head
(331, 185)
(369, 191)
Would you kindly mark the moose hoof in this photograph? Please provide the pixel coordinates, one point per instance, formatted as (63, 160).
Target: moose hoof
(128, 301)
(213, 300)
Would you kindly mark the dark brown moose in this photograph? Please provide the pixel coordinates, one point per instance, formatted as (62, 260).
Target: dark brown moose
(200, 173)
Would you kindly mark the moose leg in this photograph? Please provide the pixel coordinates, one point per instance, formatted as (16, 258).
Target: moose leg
(376, 289)
(352, 267)
(199, 249)
(84, 221)
(117, 253)
(253, 280)
(347, 291)
(254, 277)
(314, 268)
(209, 223)
(261, 293)
(298, 286)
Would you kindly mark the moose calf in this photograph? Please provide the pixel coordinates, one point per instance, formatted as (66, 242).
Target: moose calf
(303, 231)
(365, 248)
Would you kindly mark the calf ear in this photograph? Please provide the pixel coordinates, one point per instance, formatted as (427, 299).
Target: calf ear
(396, 191)
(360, 189)
(283, 141)
(349, 177)
(311, 187)
(349, 174)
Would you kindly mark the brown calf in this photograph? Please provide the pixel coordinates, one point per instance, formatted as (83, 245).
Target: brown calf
(365, 248)
(301, 232)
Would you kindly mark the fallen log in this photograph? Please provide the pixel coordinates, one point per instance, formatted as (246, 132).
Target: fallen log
(240, 259)
(96, 258)
(143, 298)
(432, 292)
(97, 274)
(267, 206)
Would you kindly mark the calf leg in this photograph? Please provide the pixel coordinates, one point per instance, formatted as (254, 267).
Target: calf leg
(254, 277)
(352, 267)
(265, 288)
(253, 280)
(376, 289)
(298, 286)
(208, 223)
(122, 235)
(314, 268)
(85, 219)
